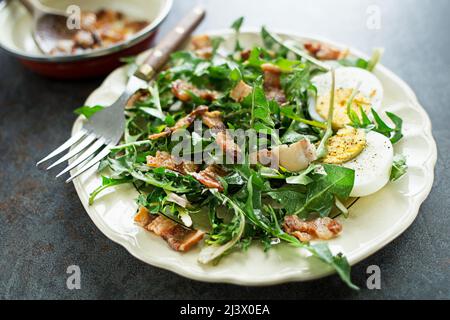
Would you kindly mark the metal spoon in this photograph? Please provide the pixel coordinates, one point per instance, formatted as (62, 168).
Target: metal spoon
(50, 25)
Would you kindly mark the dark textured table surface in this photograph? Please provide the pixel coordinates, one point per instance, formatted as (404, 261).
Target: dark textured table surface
(44, 227)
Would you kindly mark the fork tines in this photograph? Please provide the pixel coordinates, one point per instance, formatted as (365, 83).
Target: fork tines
(87, 150)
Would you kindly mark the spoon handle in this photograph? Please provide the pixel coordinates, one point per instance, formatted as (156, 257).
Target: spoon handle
(161, 53)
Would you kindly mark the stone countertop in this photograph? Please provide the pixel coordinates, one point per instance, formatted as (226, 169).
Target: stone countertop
(44, 227)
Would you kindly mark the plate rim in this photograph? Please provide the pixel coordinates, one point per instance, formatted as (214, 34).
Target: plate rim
(428, 165)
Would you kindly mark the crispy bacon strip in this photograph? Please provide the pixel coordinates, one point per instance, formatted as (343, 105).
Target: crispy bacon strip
(245, 54)
(213, 120)
(202, 46)
(166, 160)
(323, 51)
(227, 144)
(225, 141)
(143, 217)
(178, 237)
(181, 89)
(240, 91)
(272, 83)
(139, 96)
(182, 123)
(209, 176)
(320, 228)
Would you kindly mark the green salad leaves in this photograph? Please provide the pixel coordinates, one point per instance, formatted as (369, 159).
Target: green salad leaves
(254, 200)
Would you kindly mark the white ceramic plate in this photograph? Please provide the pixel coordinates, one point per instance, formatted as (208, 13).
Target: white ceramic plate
(374, 221)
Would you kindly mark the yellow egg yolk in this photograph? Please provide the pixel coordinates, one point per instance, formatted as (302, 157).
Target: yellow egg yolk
(341, 97)
(346, 145)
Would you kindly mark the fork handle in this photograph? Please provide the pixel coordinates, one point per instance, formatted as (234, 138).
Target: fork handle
(161, 53)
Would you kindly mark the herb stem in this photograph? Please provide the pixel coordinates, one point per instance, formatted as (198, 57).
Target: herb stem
(322, 149)
(130, 144)
(376, 57)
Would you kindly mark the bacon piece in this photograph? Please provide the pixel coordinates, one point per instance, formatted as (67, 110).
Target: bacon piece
(209, 176)
(139, 96)
(181, 89)
(320, 228)
(272, 83)
(265, 157)
(272, 75)
(323, 51)
(84, 39)
(245, 54)
(165, 160)
(201, 41)
(178, 237)
(296, 156)
(276, 94)
(227, 144)
(144, 217)
(240, 91)
(182, 123)
(225, 141)
(212, 120)
(202, 46)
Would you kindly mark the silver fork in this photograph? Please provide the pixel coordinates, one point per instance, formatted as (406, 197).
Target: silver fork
(105, 128)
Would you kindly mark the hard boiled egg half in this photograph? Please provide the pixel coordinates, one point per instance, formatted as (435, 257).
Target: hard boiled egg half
(370, 154)
(347, 79)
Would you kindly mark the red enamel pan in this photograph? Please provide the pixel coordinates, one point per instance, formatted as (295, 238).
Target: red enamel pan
(16, 37)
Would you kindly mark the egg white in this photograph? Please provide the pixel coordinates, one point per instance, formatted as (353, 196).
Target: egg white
(372, 166)
(347, 77)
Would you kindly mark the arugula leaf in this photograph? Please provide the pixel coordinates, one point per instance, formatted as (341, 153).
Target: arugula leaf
(291, 198)
(215, 43)
(321, 250)
(107, 183)
(368, 65)
(302, 176)
(359, 63)
(394, 134)
(399, 167)
(337, 182)
(88, 111)
(338, 262)
(236, 26)
(260, 109)
(398, 122)
(224, 236)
